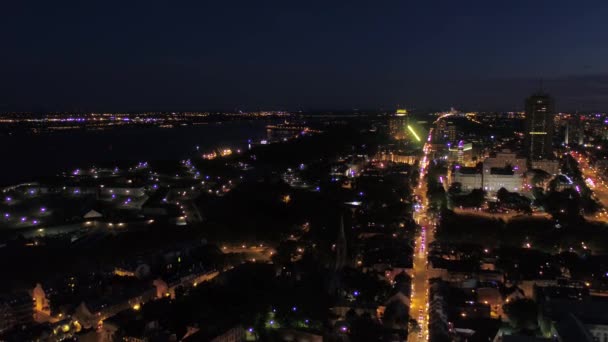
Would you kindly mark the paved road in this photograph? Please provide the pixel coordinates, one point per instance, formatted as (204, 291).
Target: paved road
(419, 300)
(597, 184)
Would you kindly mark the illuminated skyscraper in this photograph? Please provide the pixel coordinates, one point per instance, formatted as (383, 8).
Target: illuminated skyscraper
(539, 127)
(397, 124)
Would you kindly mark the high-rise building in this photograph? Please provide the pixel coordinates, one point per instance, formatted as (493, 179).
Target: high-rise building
(441, 131)
(539, 127)
(397, 124)
(445, 131)
(451, 132)
(574, 130)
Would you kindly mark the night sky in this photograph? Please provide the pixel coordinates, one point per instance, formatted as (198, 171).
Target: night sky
(333, 54)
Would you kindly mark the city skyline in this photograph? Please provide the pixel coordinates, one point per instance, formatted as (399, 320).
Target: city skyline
(431, 227)
(341, 171)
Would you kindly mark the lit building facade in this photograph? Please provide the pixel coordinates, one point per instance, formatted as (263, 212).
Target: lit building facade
(498, 178)
(503, 170)
(398, 157)
(502, 159)
(469, 178)
(397, 124)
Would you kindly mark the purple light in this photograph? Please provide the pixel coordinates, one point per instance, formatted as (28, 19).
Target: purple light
(250, 330)
(343, 329)
(294, 309)
(23, 219)
(43, 210)
(7, 215)
(35, 222)
(8, 199)
(356, 293)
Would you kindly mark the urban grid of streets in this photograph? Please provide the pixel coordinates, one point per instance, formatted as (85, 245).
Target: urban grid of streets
(597, 182)
(419, 301)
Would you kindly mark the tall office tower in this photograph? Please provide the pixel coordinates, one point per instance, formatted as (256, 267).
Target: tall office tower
(451, 132)
(574, 131)
(397, 124)
(539, 127)
(579, 130)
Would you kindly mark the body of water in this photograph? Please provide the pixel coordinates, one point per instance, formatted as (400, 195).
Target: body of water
(29, 157)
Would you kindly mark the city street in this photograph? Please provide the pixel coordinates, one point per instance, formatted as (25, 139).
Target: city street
(596, 184)
(419, 301)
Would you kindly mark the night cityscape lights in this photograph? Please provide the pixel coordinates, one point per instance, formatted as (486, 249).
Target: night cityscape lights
(304, 171)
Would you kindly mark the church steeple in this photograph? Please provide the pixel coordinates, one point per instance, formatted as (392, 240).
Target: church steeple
(341, 249)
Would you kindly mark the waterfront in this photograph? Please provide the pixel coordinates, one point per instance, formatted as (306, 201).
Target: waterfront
(34, 156)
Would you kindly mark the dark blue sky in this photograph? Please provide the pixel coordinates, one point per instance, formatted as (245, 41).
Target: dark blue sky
(222, 54)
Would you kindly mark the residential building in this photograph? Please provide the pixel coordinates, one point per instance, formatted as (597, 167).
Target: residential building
(16, 310)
